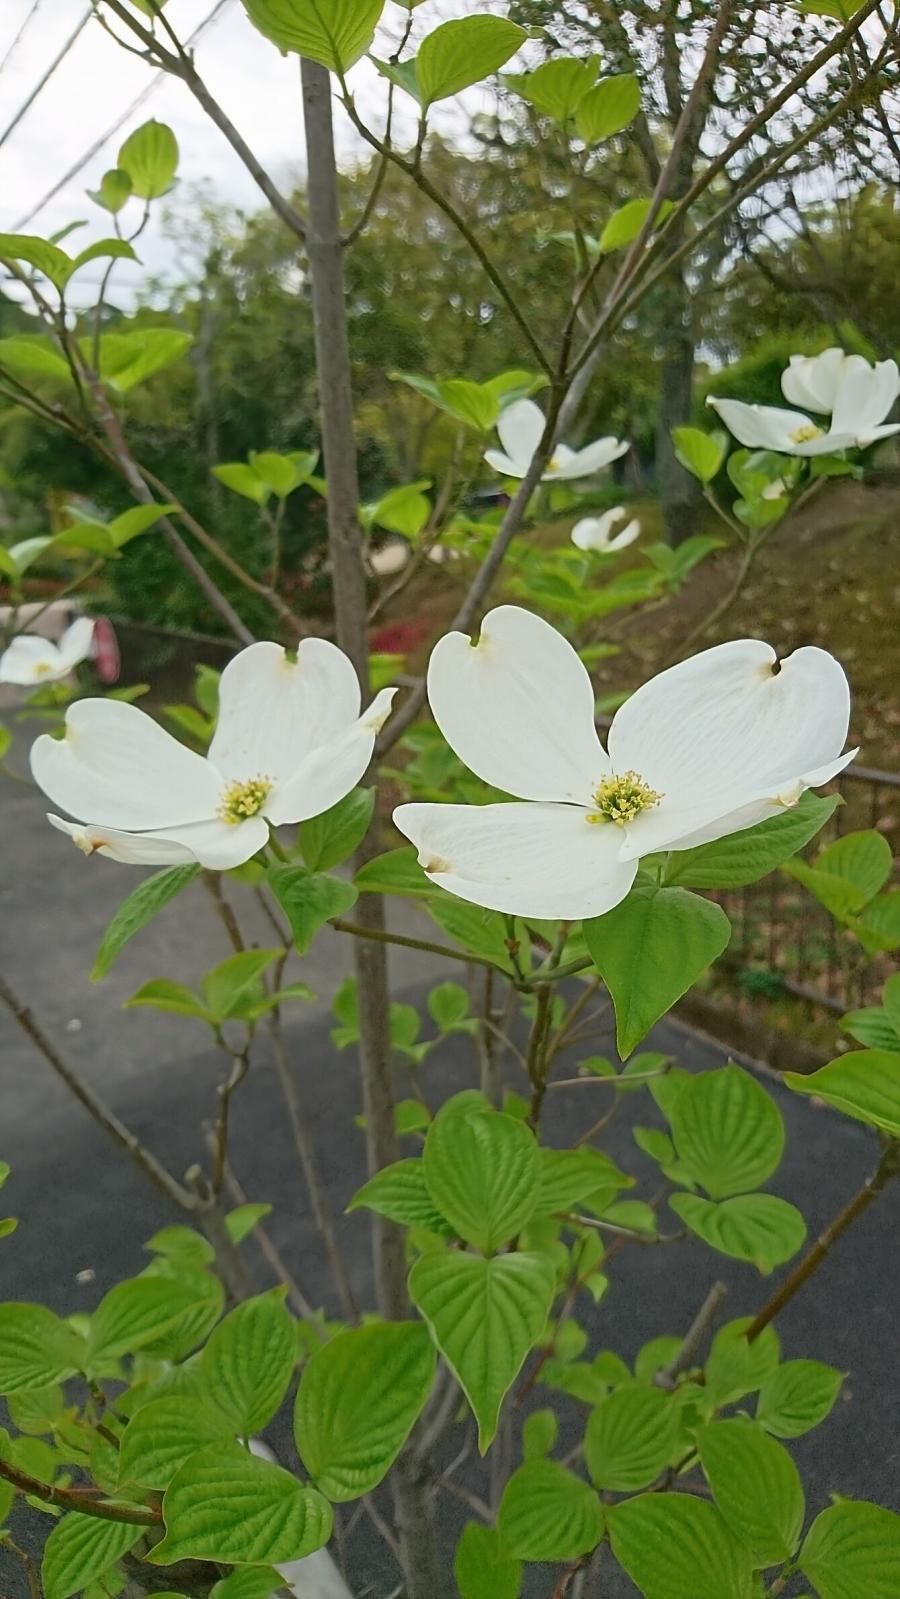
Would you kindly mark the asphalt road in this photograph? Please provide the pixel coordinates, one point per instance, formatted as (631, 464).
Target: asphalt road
(86, 1212)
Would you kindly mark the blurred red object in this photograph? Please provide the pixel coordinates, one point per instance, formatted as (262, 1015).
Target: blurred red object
(107, 659)
(398, 638)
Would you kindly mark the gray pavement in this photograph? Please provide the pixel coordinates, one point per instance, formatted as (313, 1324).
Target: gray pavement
(85, 1211)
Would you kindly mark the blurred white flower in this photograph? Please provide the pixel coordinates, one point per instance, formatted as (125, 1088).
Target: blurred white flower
(711, 746)
(596, 532)
(289, 744)
(32, 659)
(521, 428)
(857, 395)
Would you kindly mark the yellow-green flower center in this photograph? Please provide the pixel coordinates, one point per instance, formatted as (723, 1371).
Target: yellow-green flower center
(553, 465)
(806, 433)
(43, 668)
(620, 799)
(243, 800)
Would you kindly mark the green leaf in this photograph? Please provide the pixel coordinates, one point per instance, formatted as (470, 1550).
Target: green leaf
(335, 35)
(226, 1505)
(164, 1434)
(400, 1192)
(759, 1228)
(249, 1362)
(139, 1312)
(462, 52)
(481, 1568)
(330, 839)
(655, 1356)
(36, 1348)
(674, 1546)
(756, 1486)
(241, 1222)
(150, 157)
(625, 224)
(548, 1514)
(700, 453)
(242, 479)
(539, 1433)
(138, 520)
(557, 88)
(126, 359)
(479, 931)
(649, 950)
(484, 1315)
(474, 404)
(872, 1027)
(37, 1410)
(864, 1084)
(863, 859)
(397, 872)
(878, 926)
(727, 1130)
(248, 1582)
(162, 994)
(114, 191)
(448, 1007)
(403, 510)
(571, 1175)
(183, 1245)
(482, 1170)
(46, 258)
(145, 902)
(235, 982)
(309, 900)
(80, 1549)
(747, 856)
(33, 356)
(852, 1551)
(630, 1438)
(608, 107)
(103, 250)
(359, 1398)
(736, 1367)
(797, 1397)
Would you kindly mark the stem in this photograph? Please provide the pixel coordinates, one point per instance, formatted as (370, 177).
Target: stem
(693, 1338)
(267, 1249)
(239, 1070)
(71, 1499)
(888, 1167)
(103, 1116)
(536, 1061)
(487, 1045)
(381, 936)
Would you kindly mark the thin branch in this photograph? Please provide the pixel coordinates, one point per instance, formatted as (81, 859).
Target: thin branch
(381, 936)
(693, 1338)
(71, 1499)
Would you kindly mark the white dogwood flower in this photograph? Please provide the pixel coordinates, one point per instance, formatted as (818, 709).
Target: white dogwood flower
(31, 660)
(857, 395)
(521, 428)
(596, 532)
(289, 744)
(709, 747)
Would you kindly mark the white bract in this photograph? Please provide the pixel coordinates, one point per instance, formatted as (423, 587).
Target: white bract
(711, 746)
(596, 532)
(289, 744)
(857, 396)
(521, 428)
(31, 659)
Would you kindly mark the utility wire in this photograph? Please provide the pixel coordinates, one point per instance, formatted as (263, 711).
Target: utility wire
(23, 29)
(119, 123)
(39, 88)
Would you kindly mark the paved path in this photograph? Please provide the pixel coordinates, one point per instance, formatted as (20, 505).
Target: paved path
(85, 1212)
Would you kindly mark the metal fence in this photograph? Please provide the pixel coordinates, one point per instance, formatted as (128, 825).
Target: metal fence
(784, 941)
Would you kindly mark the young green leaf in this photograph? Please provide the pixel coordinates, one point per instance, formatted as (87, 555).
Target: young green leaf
(539, 1434)
(126, 359)
(675, 1546)
(462, 52)
(736, 1367)
(150, 158)
(569, 1176)
(400, 1192)
(728, 1131)
(480, 931)
(608, 107)
(235, 983)
(145, 902)
(630, 1438)
(482, 1170)
(397, 872)
(249, 1361)
(700, 453)
(248, 1582)
(625, 224)
(484, 1315)
(756, 1487)
(114, 191)
(649, 950)
(335, 36)
(139, 1312)
(557, 88)
(359, 1397)
(549, 1514)
(759, 1228)
(864, 1084)
(330, 839)
(482, 1568)
(80, 1550)
(797, 1397)
(853, 1550)
(46, 258)
(163, 994)
(309, 900)
(226, 1505)
(242, 479)
(241, 1222)
(36, 1348)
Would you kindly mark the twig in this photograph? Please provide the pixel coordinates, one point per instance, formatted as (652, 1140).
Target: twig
(71, 1499)
(264, 1243)
(888, 1168)
(383, 937)
(693, 1338)
(240, 1067)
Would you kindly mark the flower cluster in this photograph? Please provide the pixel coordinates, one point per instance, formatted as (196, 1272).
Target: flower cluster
(31, 660)
(854, 394)
(521, 428)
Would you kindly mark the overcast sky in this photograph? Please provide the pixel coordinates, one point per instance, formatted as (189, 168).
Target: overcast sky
(98, 81)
